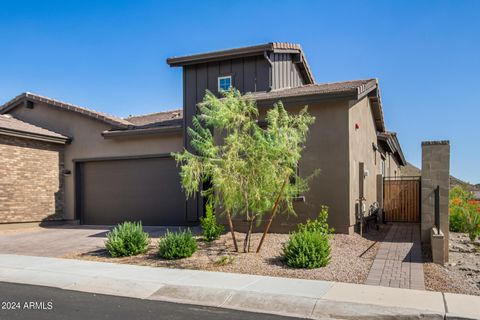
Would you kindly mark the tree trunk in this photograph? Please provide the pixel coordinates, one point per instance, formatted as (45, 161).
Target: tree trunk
(248, 235)
(230, 224)
(272, 215)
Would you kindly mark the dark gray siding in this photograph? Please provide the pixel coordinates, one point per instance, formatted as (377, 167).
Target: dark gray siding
(249, 74)
(285, 73)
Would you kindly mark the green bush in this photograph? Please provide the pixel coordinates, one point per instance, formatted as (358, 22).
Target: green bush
(177, 245)
(464, 212)
(127, 239)
(211, 230)
(457, 221)
(307, 249)
(319, 224)
(472, 221)
(309, 246)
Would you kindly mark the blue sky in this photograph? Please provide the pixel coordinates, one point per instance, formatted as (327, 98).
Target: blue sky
(110, 55)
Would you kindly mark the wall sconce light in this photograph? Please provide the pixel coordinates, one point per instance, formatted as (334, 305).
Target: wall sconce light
(67, 172)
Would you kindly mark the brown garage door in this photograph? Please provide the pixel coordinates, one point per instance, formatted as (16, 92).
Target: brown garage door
(146, 190)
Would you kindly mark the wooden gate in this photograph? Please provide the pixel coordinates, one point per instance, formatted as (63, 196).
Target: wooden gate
(401, 199)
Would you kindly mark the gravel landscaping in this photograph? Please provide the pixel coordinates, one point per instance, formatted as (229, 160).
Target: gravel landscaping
(461, 274)
(351, 257)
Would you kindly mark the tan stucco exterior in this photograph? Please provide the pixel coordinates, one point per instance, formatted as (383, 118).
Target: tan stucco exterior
(343, 136)
(362, 149)
(327, 149)
(87, 141)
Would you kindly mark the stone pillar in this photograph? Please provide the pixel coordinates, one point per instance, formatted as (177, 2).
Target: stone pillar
(435, 173)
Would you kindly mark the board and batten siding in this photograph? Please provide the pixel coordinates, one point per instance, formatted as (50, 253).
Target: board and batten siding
(285, 73)
(249, 74)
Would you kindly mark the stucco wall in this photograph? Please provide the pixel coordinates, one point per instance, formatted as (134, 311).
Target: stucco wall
(31, 180)
(361, 144)
(88, 142)
(327, 150)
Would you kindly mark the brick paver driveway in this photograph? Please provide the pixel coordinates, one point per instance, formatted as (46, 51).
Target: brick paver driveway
(399, 259)
(58, 241)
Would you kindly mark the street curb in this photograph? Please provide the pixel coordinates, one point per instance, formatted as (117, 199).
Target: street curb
(285, 305)
(309, 299)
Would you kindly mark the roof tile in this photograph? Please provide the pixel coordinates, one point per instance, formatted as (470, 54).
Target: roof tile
(7, 122)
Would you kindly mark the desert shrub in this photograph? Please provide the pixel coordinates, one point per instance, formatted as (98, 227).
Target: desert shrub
(457, 221)
(127, 239)
(319, 224)
(211, 230)
(464, 212)
(460, 193)
(177, 245)
(307, 249)
(472, 221)
(309, 246)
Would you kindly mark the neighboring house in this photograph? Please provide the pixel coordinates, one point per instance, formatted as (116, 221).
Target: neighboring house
(117, 169)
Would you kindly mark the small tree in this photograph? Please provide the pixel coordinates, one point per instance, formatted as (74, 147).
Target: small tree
(250, 169)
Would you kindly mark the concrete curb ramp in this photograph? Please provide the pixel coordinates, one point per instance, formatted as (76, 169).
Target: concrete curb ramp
(290, 297)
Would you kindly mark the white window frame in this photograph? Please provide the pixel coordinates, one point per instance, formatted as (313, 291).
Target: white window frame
(222, 78)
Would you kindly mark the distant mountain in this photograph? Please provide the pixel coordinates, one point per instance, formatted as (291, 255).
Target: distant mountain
(411, 170)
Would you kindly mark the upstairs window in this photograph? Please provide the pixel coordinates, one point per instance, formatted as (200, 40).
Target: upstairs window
(224, 83)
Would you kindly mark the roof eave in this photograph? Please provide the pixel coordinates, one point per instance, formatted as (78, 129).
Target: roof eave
(141, 132)
(26, 96)
(243, 52)
(305, 98)
(219, 55)
(34, 136)
(391, 140)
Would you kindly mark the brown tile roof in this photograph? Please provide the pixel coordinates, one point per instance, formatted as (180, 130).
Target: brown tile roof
(175, 117)
(163, 118)
(112, 120)
(11, 124)
(240, 52)
(356, 87)
(391, 139)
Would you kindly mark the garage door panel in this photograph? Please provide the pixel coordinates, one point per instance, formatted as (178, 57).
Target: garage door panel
(146, 190)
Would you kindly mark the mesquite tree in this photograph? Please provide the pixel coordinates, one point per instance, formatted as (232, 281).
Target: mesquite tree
(251, 170)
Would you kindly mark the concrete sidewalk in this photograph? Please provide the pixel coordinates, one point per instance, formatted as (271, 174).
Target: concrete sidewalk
(292, 297)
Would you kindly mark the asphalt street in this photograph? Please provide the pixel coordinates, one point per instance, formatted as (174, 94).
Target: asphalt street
(19, 301)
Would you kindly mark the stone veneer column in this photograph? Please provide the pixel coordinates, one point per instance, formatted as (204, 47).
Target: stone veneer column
(435, 172)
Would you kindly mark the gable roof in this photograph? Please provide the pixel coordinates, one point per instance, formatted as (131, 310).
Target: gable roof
(352, 89)
(162, 118)
(284, 47)
(15, 127)
(100, 116)
(391, 141)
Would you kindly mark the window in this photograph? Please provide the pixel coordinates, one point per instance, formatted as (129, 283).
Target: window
(224, 83)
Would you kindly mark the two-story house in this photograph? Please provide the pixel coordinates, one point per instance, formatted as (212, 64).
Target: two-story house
(106, 169)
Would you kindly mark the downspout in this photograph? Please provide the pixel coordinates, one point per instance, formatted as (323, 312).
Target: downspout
(270, 80)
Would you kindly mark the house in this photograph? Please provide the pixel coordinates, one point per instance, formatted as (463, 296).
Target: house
(101, 169)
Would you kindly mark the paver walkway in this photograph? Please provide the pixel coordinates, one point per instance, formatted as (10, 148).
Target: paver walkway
(399, 261)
